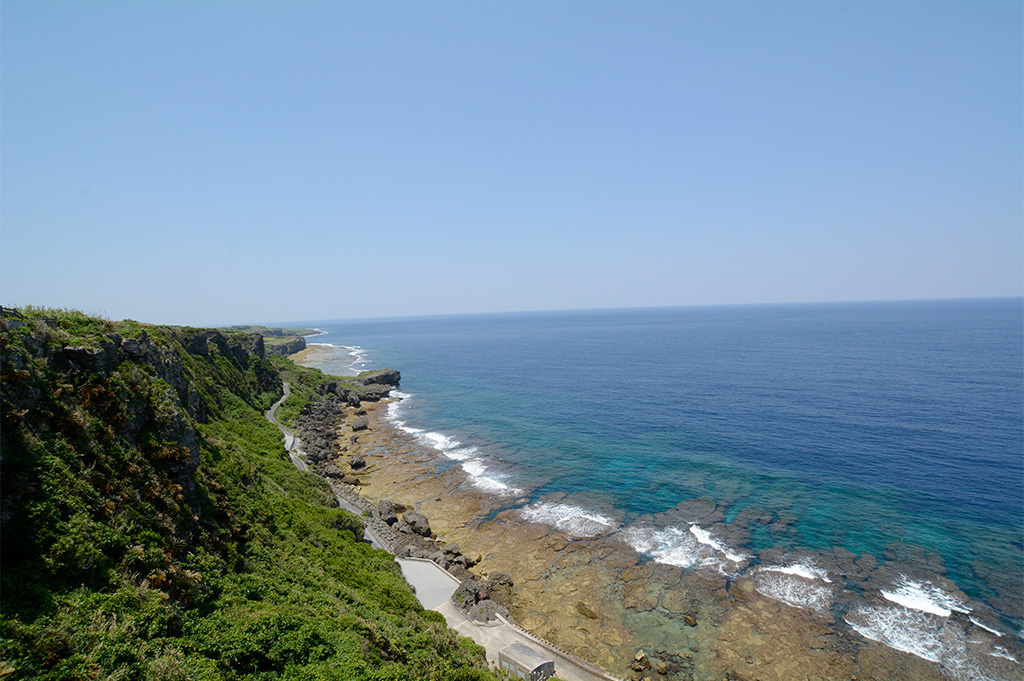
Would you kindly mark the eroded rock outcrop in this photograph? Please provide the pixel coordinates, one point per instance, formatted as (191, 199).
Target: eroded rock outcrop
(287, 348)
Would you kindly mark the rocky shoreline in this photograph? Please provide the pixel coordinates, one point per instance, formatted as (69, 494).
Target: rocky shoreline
(595, 597)
(330, 431)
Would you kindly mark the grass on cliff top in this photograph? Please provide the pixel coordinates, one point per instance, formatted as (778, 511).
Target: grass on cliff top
(116, 565)
(271, 333)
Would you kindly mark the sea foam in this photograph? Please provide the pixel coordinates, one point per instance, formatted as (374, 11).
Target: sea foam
(905, 629)
(480, 477)
(800, 570)
(452, 449)
(926, 597)
(919, 622)
(693, 546)
(797, 585)
(572, 520)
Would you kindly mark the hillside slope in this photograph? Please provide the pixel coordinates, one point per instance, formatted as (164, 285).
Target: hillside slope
(153, 528)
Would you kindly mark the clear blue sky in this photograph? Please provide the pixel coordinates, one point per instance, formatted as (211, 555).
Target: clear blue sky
(212, 163)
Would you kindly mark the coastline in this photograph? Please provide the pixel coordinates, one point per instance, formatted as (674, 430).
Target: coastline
(315, 355)
(601, 599)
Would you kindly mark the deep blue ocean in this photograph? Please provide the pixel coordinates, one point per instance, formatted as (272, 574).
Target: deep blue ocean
(889, 428)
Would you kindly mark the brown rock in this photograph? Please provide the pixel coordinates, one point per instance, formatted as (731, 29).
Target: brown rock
(635, 573)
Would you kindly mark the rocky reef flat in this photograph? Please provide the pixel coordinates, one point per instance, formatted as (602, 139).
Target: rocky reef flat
(597, 596)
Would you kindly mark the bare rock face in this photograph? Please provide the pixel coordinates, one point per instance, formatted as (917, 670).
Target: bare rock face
(417, 523)
(372, 393)
(440, 558)
(386, 509)
(99, 360)
(468, 594)
(332, 471)
(286, 348)
(487, 611)
(389, 377)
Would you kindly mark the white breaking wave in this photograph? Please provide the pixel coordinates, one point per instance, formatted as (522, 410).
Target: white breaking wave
(800, 570)
(572, 520)
(691, 547)
(477, 471)
(451, 448)
(394, 413)
(905, 629)
(1002, 652)
(705, 537)
(926, 597)
(797, 585)
(986, 628)
(919, 623)
(359, 357)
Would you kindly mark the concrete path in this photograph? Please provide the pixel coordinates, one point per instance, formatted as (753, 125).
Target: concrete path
(291, 444)
(435, 586)
(494, 637)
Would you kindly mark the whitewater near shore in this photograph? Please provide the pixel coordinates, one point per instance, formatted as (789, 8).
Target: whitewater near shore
(696, 578)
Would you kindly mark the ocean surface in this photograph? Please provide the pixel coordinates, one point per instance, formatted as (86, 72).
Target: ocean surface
(894, 429)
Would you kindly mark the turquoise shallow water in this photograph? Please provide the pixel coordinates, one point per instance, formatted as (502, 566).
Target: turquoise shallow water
(893, 429)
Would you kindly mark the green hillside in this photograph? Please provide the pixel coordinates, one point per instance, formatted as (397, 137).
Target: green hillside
(153, 528)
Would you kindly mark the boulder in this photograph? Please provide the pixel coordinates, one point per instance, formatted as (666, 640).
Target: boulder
(487, 611)
(452, 549)
(357, 462)
(640, 661)
(332, 471)
(417, 523)
(502, 578)
(373, 392)
(440, 558)
(360, 423)
(386, 509)
(464, 562)
(467, 594)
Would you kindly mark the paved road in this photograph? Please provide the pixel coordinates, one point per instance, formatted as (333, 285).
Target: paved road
(434, 587)
(291, 444)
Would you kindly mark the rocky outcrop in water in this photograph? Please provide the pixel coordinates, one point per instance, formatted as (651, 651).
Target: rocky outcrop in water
(390, 377)
(370, 387)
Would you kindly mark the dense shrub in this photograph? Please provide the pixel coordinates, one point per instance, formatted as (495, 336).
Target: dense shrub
(126, 557)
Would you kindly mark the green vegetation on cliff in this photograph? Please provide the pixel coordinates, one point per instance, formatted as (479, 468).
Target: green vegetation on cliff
(153, 528)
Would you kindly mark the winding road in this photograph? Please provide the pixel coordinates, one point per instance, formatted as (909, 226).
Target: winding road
(291, 444)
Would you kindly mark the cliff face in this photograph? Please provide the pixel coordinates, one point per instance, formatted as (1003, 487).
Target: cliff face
(287, 348)
(120, 412)
(151, 525)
